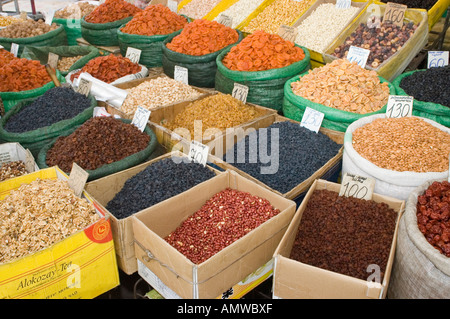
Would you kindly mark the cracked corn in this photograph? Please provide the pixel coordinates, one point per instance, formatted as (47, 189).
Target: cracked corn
(39, 214)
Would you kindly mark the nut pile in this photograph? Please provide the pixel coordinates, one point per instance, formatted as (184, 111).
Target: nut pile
(155, 19)
(323, 25)
(223, 219)
(39, 214)
(433, 216)
(262, 51)
(27, 28)
(157, 92)
(22, 75)
(157, 182)
(112, 10)
(382, 42)
(240, 10)
(75, 11)
(12, 169)
(278, 13)
(197, 9)
(216, 112)
(344, 234)
(55, 105)
(343, 85)
(403, 144)
(6, 21)
(99, 141)
(65, 62)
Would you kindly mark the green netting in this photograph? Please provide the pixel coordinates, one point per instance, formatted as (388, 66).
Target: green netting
(72, 27)
(107, 169)
(104, 34)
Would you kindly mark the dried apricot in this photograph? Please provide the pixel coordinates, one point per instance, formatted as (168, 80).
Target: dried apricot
(112, 10)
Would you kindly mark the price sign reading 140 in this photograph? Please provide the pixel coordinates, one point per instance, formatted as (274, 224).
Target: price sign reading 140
(198, 152)
(357, 186)
(399, 106)
(358, 55)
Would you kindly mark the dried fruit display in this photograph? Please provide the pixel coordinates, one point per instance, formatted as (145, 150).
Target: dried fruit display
(6, 21)
(343, 85)
(202, 37)
(240, 10)
(22, 74)
(223, 219)
(262, 51)
(112, 10)
(433, 216)
(6, 57)
(197, 9)
(154, 20)
(108, 68)
(75, 11)
(65, 62)
(27, 28)
(12, 169)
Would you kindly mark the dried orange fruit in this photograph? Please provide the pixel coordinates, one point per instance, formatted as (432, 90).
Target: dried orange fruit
(112, 10)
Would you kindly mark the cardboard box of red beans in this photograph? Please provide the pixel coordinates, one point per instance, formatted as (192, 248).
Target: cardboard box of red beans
(207, 239)
(337, 247)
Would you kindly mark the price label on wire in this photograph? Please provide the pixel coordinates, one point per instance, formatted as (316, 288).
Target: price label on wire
(14, 49)
(198, 152)
(437, 59)
(399, 106)
(312, 119)
(394, 13)
(133, 54)
(140, 118)
(240, 92)
(358, 55)
(357, 186)
(181, 74)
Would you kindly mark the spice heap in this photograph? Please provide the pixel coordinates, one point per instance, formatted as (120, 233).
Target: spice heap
(430, 85)
(22, 74)
(55, 105)
(197, 9)
(153, 20)
(157, 92)
(27, 28)
(202, 37)
(65, 62)
(323, 25)
(223, 219)
(295, 153)
(262, 51)
(276, 14)
(216, 113)
(75, 11)
(344, 234)
(6, 21)
(112, 10)
(12, 169)
(343, 85)
(433, 217)
(239, 11)
(99, 141)
(39, 214)
(382, 42)
(403, 144)
(151, 186)
(109, 68)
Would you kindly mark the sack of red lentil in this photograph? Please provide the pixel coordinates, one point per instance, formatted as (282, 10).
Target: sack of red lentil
(400, 154)
(420, 270)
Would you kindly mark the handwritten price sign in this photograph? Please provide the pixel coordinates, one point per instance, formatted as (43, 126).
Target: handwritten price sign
(198, 152)
(240, 92)
(399, 106)
(312, 119)
(358, 55)
(140, 118)
(357, 186)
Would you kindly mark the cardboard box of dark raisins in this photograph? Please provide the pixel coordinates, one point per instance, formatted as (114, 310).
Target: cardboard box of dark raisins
(175, 275)
(334, 259)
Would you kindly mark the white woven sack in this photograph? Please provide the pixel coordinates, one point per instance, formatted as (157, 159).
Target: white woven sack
(387, 182)
(419, 271)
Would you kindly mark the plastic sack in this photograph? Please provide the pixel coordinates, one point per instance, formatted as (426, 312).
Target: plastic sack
(104, 34)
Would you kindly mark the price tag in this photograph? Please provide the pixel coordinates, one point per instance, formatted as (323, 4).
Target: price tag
(49, 16)
(140, 118)
(30, 164)
(240, 92)
(172, 5)
(312, 119)
(343, 4)
(133, 54)
(437, 59)
(14, 49)
(357, 186)
(53, 60)
(399, 106)
(225, 20)
(358, 55)
(288, 33)
(77, 179)
(84, 87)
(181, 74)
(394, 13)
(198, 152)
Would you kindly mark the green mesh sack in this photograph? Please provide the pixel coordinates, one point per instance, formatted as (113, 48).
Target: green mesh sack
(72, 28)
(334, 119)
(53, 38)
(35, 139)
(41, 54)
(104, 34)
(265, 88)
(12, 98)
(107, 169)
(433, 111)
(201, 69)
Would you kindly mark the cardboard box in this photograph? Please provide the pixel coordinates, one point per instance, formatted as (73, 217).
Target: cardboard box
(11, 152)
(333, 163)
(103, 190)
(296, 280)
(81, 266)
(229, 266)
